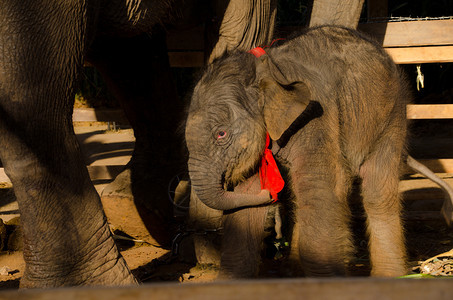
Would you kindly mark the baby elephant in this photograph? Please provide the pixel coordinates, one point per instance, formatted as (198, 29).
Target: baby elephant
(334, 105)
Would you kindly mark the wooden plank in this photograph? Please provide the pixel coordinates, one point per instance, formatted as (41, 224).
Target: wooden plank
(104, 172)
(99, 115)
(110, 171)
(192, 59)
(96, 172)
(377, 9)
(3, 176)
(406, 55)
(190, 39)
(411, 33)
(390, 34)
(429, 111)
(444, 165)
(180, 59)
(414, 111)
(420, 55)
(288, 289)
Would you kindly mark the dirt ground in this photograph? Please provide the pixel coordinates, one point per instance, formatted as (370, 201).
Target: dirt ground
(426, 232)
(148, 261)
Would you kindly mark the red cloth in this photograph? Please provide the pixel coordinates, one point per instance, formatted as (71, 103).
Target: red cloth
(258, 51)
(270, 176)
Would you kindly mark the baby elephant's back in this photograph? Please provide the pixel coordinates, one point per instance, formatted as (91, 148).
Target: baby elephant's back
(359, 87)
(372, 102)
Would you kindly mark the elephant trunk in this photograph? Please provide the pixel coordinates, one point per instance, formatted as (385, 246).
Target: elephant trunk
(209, 189)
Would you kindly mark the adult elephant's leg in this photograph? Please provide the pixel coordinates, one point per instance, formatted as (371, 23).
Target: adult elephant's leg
(67, 240)
(138, 72)
(338, 12)
(243, 25)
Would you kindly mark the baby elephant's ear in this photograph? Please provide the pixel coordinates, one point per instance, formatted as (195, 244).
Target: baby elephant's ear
(283, 101)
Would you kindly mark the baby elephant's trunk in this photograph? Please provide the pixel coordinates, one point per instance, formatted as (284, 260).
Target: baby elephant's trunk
(210, 190)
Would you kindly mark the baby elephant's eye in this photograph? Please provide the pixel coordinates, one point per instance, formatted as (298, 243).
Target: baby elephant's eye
(221, 134)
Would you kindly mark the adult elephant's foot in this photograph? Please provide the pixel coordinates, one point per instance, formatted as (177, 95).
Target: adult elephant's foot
(95, 264)
(114, 273)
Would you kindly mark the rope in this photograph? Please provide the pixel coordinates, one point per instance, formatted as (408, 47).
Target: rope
(404, 19)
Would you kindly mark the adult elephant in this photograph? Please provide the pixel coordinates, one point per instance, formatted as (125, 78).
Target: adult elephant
(43, 45)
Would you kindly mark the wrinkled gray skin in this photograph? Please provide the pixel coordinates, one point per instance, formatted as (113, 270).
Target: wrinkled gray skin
(43, 45)
(359, 137)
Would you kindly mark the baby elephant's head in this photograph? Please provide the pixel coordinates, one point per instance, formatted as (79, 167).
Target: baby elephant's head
(238, 99)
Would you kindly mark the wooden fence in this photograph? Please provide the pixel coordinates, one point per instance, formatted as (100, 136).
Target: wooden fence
(409, 42)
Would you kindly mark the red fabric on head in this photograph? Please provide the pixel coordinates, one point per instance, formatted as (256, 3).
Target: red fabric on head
(270, 176)
(258, 51)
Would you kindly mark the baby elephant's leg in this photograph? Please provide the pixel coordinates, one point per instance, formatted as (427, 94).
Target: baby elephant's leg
(321, 236)
(380, 177)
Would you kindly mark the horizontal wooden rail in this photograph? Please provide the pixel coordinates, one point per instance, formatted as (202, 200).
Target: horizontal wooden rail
(411, 33)
(405, 55)
(421, 55)
(409, 42)
(96, 172)
(111, 171)
(444, 165)
(99, 115)
(414, 111)
(186, 59)
(430, 111)
(191, 39)
(288, 289)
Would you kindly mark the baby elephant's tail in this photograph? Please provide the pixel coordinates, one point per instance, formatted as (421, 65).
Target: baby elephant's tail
(447, 207)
